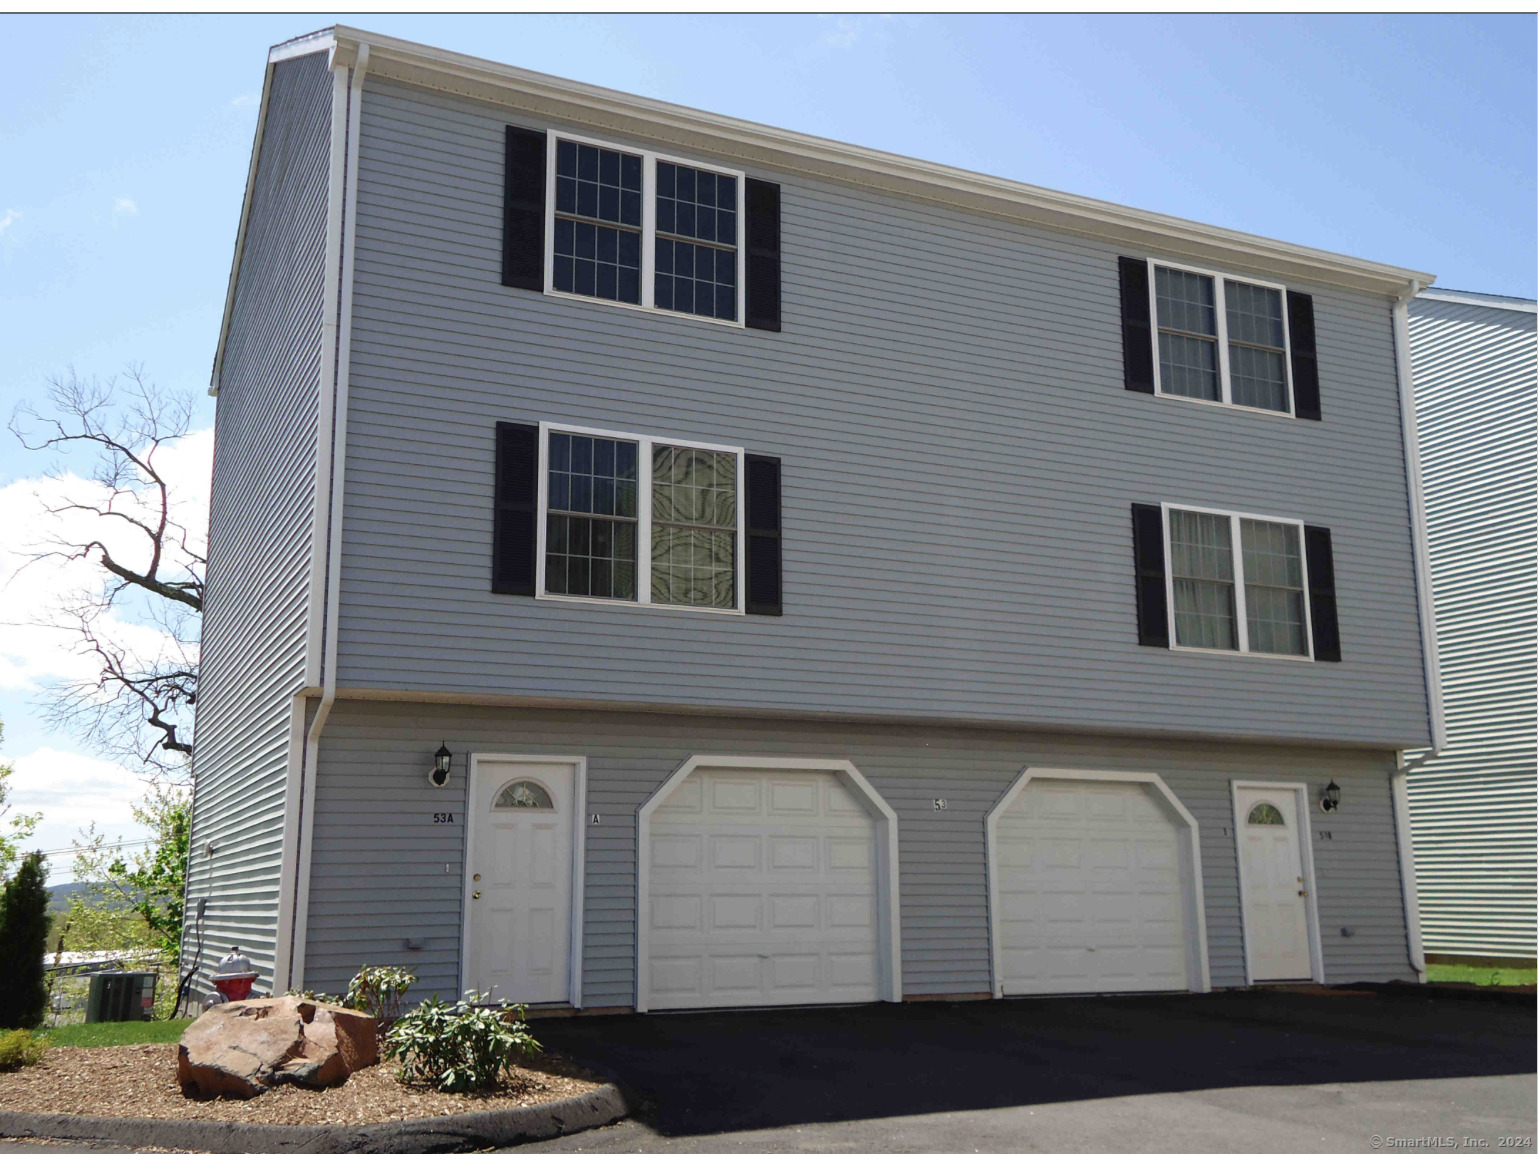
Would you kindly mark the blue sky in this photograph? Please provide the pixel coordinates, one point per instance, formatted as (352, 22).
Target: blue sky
(1408, 140)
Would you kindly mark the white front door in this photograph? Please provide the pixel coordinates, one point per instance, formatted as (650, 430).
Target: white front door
(519, 893)
(1275, 896)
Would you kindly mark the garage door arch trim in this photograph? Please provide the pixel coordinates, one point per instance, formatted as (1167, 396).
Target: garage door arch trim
(889, 935)
(1198, 971)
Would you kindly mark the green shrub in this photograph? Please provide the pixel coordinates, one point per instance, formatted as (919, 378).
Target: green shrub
(20, 1048)
(378, 990)
(23, 937)
(460, 1048)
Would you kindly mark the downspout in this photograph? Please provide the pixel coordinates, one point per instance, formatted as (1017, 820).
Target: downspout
(334, 447)
(1436, 713)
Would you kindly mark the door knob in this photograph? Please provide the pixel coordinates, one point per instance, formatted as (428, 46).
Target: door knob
(476, 894)
(1301, 894)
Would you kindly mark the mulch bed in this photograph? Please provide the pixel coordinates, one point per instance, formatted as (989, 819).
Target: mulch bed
(140, 1082)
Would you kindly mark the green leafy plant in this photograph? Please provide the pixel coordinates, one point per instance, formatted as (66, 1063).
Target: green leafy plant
(23, 937)
(20, 1048)
(459, 1048)
(379, 990)
(15, 828)
(317, 996)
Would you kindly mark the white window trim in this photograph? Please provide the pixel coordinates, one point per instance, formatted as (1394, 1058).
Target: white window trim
(649, 161)
(1242, 624)
(1221, 303)
(644, 441)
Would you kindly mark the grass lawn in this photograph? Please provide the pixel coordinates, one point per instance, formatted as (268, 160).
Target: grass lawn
(1482, 975)
(117, 1033)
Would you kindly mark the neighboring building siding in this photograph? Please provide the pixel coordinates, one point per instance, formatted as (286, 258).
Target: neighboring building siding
(260, 522)
(1473, 809)
(959, 452)
(383, 871)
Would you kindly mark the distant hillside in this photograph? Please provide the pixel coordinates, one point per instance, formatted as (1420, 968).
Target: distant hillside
(59, 895)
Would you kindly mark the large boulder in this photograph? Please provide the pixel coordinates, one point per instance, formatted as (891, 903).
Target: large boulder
(241, 1049)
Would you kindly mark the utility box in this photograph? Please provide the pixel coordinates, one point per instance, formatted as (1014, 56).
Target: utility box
(121, 997)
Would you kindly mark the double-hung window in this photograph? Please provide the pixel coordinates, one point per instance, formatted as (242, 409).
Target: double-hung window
(641, 229)
(640, 519)
(1220, 339)
(1237, 583)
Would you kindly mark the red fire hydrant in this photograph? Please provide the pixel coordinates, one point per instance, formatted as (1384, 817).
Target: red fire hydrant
(234, 977)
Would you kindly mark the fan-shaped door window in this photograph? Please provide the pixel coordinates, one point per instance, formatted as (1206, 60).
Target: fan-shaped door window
(1264, 813)
(523, 795)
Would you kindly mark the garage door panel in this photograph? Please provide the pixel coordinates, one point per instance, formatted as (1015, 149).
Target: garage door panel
(1091, 892)
(792, 798)
(786, 885)
(793, 853)
(734, 852)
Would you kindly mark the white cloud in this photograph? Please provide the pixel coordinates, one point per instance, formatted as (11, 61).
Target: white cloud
(246, 100)
(72, 791)
(33, 651)
(10, 217)
(122, 206)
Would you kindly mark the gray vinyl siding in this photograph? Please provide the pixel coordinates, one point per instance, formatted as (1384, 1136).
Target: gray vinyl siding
(383, 871)
(960, 458)
(260, 521)
(1473, 809)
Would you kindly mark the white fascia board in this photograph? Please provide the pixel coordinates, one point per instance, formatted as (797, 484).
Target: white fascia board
(300, 46)
(607, 110)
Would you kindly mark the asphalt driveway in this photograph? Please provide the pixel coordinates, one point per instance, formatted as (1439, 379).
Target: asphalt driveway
(1249, 1070)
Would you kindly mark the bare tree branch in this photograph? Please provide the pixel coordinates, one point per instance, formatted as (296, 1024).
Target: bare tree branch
(138, 706)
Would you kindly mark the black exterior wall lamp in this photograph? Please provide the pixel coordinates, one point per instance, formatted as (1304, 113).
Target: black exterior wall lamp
(443, 761)
(1329, 797)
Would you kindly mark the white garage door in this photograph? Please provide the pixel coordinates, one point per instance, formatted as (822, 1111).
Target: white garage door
(1090, 890)
(762, 891)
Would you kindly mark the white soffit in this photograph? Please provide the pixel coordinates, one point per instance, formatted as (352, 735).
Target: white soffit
(687, 128)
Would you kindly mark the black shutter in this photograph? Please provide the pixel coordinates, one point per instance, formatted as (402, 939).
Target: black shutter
(1136, 333)
(763, 238)
(523, 210)
(1153, 623)
(763, 544)
(1321, 593)
(1305, 364)
(514, 533)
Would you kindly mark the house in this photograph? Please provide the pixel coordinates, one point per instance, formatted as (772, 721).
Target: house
(823, 576)
(1472, 806)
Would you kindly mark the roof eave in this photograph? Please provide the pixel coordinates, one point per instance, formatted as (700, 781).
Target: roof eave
(570, 100)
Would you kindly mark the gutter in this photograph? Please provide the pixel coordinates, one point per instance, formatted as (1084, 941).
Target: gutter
(1436, 711)
(331, 471)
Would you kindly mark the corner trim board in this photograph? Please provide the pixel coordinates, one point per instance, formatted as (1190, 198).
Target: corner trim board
(1198, 970)
(889, 928)
(1420, 537)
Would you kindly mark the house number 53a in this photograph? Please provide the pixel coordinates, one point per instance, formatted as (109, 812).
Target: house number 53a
(443, 819)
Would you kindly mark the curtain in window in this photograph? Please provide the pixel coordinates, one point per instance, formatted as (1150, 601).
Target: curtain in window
(1188, 332)
(694, 527)
(1202, 567)
(1273, 587)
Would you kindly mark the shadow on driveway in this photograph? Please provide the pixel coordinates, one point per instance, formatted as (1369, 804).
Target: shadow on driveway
(716, 1072)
